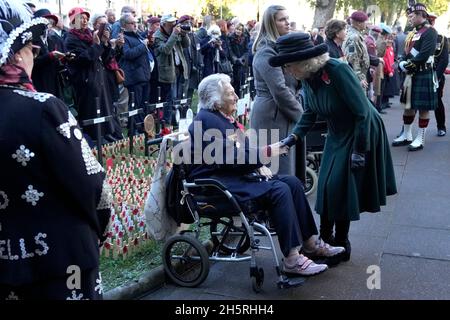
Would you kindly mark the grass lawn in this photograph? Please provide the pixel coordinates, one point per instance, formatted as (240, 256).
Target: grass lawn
(117, 272)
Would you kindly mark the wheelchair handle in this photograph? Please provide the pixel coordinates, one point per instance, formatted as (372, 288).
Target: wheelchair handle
(154, 141)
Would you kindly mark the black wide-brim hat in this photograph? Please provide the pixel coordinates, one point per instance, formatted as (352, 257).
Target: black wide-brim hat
(17, 28)
(296, 46)
(45, 13)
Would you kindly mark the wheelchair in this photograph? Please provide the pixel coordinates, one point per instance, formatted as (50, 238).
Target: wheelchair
(234, 229)
(315, 143)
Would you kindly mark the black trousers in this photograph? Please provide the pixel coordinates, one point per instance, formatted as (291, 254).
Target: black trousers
(440, 111)
(141, 95)
(57, 288)
(291, 213)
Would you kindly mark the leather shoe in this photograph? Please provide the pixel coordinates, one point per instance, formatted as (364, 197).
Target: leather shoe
(411, 148)
(401, 143)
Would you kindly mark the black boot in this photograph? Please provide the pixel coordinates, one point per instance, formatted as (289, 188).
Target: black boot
(326, 229)
(342, 229)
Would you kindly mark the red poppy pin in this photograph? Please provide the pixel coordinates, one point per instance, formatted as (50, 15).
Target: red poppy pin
(325, 77)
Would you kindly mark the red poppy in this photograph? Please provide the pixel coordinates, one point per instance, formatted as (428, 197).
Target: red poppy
(326, 77)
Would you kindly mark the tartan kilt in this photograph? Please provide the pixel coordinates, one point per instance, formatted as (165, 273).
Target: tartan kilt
(423, 95)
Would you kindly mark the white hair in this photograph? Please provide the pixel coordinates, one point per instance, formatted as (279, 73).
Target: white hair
(95, 17)
(214, 29)
(210, 91)
(314, 64)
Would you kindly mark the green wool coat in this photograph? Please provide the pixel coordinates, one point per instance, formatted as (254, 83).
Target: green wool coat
(353, 125)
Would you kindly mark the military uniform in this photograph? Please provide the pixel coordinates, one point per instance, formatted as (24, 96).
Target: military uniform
(419, 92)
(441, 62)
(419, 62)
(355, 51)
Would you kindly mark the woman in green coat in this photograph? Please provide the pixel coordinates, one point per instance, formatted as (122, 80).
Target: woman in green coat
(356, 172)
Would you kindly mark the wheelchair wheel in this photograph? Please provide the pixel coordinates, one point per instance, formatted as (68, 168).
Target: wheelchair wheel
(154, 153)
(311, 181)
(312, 163)
(219, 232)
(257, 275)
(185, 260)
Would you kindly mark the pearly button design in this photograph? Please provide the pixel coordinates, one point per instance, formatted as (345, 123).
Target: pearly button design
(77, 133)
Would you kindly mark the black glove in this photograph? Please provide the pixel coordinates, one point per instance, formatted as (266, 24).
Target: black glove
(358, 160)
(289, 141)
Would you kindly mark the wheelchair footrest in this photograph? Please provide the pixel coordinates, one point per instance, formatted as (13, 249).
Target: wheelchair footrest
(290, 282)
(230, 258)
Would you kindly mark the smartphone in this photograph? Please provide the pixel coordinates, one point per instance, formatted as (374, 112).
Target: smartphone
(102, 28)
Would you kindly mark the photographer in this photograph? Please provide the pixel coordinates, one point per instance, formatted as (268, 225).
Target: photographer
(192, 55)
(100, 24)
(137, 62)
(213, 50)
(87, 70)
(239, 56)
(170, 40)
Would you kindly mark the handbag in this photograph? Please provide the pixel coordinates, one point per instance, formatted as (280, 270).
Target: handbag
(159, 223)
(225, 67)
(120, 76)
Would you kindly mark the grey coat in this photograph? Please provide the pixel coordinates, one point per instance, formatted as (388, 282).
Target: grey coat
(276, 105)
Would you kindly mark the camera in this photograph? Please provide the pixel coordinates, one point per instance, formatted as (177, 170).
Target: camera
(185, 27)
(102, 28)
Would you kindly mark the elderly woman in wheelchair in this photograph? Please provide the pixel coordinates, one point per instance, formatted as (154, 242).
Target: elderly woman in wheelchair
(220, 150)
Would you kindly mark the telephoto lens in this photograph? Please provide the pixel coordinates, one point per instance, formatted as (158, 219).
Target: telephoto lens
(185, 28)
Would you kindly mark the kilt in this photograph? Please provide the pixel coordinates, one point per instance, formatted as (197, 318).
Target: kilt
(423, 94)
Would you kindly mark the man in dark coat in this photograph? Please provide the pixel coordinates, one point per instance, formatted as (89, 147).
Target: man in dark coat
(192, 55)
(420, 87)
(54, 198)
(440, 62)
(137, 62)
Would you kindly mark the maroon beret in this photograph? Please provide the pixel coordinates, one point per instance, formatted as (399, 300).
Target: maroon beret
(153, 20)
(359, 16)
(376, 29)
(184, 18)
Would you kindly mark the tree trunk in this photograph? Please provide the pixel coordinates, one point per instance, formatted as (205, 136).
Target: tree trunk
(324, 12)
(390, 18)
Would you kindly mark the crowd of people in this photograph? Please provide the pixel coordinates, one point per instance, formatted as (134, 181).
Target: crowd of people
(161, 59)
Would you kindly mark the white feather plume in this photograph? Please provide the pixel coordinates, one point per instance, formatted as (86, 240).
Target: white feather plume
(10, 9)
(15, 8)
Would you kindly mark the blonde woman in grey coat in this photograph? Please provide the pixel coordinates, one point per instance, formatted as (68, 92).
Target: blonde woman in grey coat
(276, 105)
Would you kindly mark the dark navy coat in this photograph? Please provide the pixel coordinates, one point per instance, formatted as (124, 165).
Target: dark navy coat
(231, 175)
(135, 60)
(54, 200)
(88, 76)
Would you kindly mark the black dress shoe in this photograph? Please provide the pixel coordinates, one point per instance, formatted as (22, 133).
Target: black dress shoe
(411, 148)
(401, 143)
(345, 256)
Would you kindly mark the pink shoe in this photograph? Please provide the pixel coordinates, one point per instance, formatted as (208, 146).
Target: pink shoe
(304, 267)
